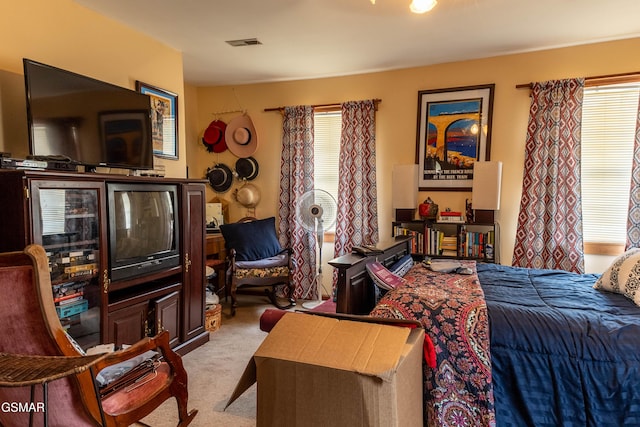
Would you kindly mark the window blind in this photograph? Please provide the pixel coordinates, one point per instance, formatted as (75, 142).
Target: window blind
(327, 129)
(609, 117)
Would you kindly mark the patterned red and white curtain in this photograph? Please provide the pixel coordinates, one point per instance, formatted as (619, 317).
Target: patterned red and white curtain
(633, 218)
(549, 232)
(296, 178)
(357, 221)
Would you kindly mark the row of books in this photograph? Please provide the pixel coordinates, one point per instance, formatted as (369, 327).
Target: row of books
(431, 242)
(437, 243)
(417, 243)
(434, 242)
(72, 265)
(475, 244)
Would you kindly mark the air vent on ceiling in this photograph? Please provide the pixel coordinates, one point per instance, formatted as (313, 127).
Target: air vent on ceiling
(244, 42)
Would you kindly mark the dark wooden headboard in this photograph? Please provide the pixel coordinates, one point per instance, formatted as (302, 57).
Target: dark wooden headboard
(356, 293)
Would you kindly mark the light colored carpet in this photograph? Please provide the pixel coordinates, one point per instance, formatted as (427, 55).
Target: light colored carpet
(215, 368)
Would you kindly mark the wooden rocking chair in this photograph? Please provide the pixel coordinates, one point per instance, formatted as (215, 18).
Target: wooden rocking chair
(31, 328)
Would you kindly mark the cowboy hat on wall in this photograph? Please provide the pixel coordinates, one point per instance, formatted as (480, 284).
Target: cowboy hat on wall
(241, 136)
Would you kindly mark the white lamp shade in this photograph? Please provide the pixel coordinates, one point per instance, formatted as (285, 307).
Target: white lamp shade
(405, 186)
(487, 180)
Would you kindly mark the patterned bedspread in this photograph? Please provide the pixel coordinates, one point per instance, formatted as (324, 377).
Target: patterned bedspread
(458, 392)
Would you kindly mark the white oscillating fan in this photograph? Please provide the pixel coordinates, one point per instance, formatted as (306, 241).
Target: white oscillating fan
(316, 212)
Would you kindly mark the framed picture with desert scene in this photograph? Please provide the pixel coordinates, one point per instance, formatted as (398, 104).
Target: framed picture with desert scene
(164, 120)
(453, 132)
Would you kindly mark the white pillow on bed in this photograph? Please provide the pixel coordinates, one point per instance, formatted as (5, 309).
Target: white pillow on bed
(623, 276)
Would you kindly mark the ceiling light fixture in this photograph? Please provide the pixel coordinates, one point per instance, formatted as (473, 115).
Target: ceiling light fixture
(419, 6)
(422, 6)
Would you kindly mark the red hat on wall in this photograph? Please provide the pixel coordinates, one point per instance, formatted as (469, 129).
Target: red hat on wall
(214, 137)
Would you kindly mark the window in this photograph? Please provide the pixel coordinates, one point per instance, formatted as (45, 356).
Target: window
(327, 128)
(608, 129)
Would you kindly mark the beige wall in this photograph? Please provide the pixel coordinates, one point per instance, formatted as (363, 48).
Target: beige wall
(66, 35)
(396, 118)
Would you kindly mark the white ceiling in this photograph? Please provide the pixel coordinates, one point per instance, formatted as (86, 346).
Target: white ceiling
(304, 39)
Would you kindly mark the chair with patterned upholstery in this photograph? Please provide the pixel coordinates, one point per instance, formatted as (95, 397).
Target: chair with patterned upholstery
(256, 259)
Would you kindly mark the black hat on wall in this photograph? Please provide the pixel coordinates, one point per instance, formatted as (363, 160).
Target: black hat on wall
(220, 177)
(247, 168)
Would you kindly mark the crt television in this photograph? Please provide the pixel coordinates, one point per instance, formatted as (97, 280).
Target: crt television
(143, 232)
(78, 118)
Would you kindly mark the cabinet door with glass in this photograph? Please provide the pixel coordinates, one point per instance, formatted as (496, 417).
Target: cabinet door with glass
(67, 223)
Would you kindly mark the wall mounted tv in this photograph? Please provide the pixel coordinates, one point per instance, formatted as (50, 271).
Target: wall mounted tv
(93, 123)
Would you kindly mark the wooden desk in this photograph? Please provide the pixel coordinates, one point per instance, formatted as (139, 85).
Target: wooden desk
(356, 294)
(215, 250)
(215, 246)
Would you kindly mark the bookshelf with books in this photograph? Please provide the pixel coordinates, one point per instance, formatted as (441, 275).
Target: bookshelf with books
(413, 229)
(450, 238)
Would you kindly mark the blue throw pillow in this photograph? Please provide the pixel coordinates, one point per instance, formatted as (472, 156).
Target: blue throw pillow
(252, 240)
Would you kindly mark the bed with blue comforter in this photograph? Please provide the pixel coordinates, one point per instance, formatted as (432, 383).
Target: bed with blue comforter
(523, 347)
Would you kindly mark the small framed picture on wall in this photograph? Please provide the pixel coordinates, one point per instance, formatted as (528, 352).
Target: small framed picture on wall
(164, 120)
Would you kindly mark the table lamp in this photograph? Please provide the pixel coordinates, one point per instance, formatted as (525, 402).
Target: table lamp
(405, 191)
(485, 195)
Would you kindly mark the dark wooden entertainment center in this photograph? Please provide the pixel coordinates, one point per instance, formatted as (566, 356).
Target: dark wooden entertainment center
(106, 311)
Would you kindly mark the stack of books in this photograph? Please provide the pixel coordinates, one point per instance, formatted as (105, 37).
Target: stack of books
(449, 246)
(69, 299)
(450, 216)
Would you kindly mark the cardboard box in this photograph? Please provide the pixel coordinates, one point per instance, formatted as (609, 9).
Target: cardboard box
(321, 371)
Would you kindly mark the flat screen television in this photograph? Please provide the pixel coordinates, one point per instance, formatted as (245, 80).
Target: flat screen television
(81, 119)
(143, 230)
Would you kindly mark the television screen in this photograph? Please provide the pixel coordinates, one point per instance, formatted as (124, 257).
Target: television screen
(85, 120)
(143, 237)
(144, 223)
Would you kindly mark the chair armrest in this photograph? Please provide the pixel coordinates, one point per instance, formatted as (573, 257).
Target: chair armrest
(231, 257)
(160, 343)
